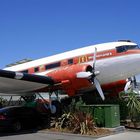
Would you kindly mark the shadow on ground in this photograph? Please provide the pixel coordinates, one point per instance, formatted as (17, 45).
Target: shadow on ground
(9, 133)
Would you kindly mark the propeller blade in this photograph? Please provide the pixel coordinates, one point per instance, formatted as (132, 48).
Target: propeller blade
(84, 74)
(94, 58)
(98, 87)
(127, 86)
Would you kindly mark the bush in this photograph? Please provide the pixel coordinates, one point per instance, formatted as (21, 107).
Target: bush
(133, 105)
(2, 102)
(75, 120)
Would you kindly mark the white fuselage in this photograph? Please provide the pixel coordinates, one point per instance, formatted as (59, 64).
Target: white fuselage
(113, 66)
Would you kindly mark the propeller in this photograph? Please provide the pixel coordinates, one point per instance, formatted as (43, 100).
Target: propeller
(98, 87)
(131, 84)
(127, 86)
(87, 74)
(92, 76)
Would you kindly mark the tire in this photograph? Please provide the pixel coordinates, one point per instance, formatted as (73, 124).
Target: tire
(16, 127)
(58, 106)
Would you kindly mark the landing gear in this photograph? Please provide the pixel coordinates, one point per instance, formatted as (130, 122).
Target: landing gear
(54, 104)
(58, 108)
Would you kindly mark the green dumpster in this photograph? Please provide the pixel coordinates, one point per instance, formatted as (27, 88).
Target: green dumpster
(112, 116)
(98, 115)
(104, 115)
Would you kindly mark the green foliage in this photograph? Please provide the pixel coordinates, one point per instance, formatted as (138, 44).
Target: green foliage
(75, 105)
(81, 122)
(133, 105)
(2, 102)
(75, 120)
(62, 122)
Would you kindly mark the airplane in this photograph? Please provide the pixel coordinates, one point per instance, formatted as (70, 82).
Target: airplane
(104, 67)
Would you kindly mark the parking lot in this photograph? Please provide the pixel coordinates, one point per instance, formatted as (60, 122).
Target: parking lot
(44, 135)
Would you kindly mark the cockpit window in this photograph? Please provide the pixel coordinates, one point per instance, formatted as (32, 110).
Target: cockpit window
(131, 47)
(121, 49)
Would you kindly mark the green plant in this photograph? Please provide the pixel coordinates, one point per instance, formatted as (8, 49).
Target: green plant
(75, 105)
(61, 123)
(81, 122)
(2, 101)
(133, 105)
(76, 122)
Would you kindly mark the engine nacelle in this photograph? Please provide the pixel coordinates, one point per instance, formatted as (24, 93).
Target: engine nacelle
(68, 79)
(68, 72)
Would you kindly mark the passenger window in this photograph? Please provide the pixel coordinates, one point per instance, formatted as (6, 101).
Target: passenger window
(53, 65)
(70, 61)
(36, 69)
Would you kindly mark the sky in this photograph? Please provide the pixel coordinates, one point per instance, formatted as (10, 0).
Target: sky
(39, 28)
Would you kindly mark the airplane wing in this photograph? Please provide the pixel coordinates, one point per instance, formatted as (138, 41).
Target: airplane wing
(21, 83)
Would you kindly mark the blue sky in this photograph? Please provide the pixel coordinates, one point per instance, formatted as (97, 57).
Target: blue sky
(39, 28)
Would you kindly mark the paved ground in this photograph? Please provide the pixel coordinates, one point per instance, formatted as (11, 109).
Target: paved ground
(44, 136)
(123, 136)
(51, 136)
